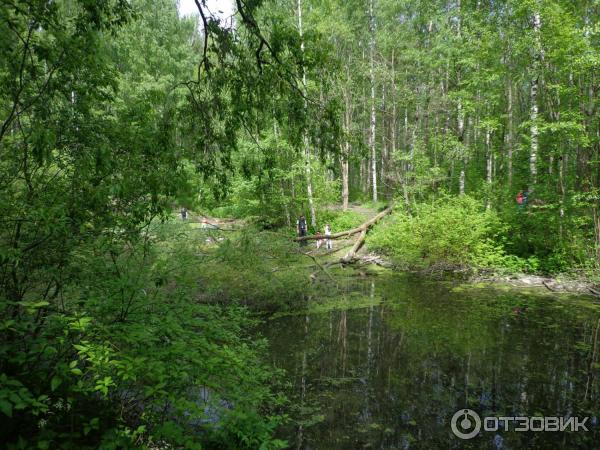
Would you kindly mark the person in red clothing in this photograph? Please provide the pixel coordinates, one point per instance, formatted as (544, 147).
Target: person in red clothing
(519, 198)
(521, 201)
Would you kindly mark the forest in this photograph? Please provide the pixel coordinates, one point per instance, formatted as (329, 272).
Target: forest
(164, 178)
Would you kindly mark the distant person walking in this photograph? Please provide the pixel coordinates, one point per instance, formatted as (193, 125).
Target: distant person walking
(520, 200)
(301, 228)
(328, 243)
(525, 197)
(184, 214)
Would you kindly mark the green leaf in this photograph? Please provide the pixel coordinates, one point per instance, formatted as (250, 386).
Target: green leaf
(56, 382)
(31, 306)
(6, 407)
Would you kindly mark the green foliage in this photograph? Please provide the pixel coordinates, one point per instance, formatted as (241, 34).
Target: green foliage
(449, 230)
(339, 220)
(121, 329)
(491, 255)
(139, 342)
(259, 269)
(104, 342)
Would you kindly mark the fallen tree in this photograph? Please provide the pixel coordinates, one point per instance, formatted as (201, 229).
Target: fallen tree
(348, 257)
(364, 227)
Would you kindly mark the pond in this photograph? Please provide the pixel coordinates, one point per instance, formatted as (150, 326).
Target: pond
(387, 363)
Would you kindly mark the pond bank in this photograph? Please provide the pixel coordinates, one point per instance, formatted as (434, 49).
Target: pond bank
(556, 284)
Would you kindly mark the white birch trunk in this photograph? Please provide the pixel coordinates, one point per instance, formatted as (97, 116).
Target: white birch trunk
(373, 115)
(510, 137)
(286, 210)
(346, 148)
(489, 165)
(461, 130)
(309, 188)
(345, 189)
(533, 115)
(394, 113)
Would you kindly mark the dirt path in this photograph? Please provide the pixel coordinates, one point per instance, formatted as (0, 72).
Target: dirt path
(363, 210)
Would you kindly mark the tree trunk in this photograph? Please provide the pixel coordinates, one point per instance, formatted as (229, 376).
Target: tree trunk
(534, 131)
(597, 233)
(489, 165)
(384, 138)
(394, 113)
(309, 187)
(286, 210)
(510, 136)
(533, 115)
(460, 112)
(461, 131)
(365, 226)
(346, 148)
(561, 179)
(372, 83)
(345, 188)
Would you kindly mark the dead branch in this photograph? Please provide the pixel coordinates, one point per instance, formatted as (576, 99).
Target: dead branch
(319, 265)
(204, 61)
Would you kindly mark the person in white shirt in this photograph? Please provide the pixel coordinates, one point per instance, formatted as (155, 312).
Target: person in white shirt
(328, 243)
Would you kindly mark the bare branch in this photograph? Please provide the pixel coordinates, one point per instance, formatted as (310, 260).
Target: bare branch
(204, 62)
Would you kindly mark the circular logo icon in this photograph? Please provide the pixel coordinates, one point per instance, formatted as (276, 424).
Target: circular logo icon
(463, 421)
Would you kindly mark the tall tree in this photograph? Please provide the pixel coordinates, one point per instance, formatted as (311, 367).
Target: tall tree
(307, 162)
(537, 58)
(373, 121)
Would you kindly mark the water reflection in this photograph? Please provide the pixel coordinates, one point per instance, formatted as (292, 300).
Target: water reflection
(390, 375)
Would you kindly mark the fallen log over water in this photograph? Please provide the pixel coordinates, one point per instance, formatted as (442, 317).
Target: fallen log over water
(348, 257)
(351, 255)
(365, 226)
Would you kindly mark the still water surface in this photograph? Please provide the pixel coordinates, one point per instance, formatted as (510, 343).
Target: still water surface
(387, 363)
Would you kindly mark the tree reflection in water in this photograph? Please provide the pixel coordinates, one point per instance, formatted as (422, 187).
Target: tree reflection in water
(391, 374)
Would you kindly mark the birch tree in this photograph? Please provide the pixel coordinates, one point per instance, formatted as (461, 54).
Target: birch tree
(307, 158)
(373, 122)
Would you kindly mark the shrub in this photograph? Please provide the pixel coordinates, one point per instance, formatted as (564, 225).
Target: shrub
(453, 230)
(253, 268)
(339, 220)
(130, 358)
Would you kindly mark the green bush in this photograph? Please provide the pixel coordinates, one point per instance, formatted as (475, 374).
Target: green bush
(254, 268)
(339, 220)
(492, 255)
(451, 230)
(120, 361)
